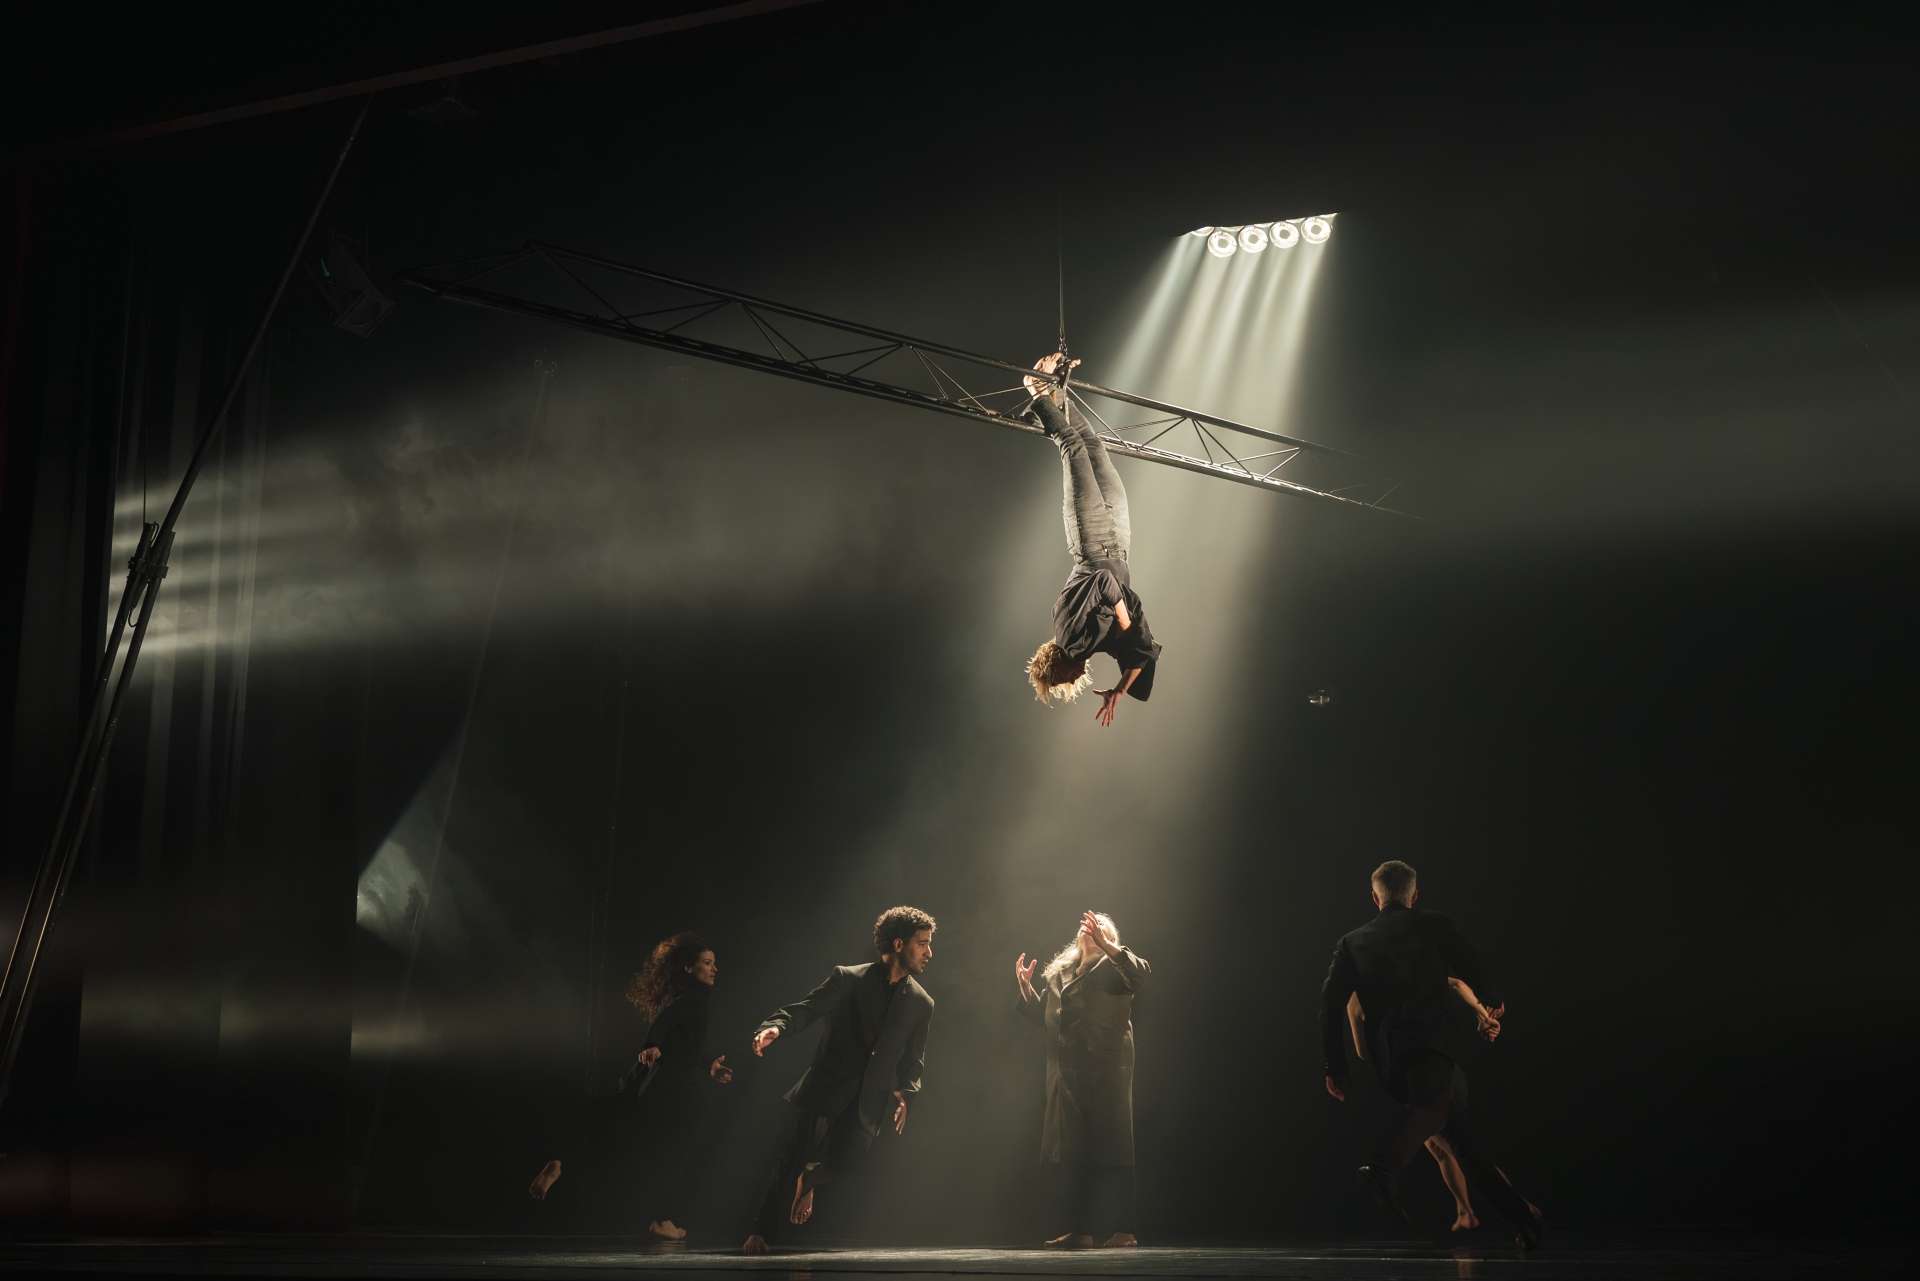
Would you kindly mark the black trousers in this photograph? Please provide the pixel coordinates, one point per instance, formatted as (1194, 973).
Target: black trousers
(1095, 1200)
(1425, 1088)
(624, 1169)
(810, 1138)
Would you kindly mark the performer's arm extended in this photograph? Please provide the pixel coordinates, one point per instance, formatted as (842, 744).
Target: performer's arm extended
(1463, 963)
(1110, 698)
(1334, 1028)
(913, 1060)
(1488, 1020)
(817, 1004)
(1132, 969)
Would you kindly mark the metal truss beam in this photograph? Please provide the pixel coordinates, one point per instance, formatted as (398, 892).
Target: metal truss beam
(634, 304)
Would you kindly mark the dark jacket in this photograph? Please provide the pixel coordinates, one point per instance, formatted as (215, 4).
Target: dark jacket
(1089, 1022)
(679, 1076)
(1084, 622)
(875, 1043)
(1399, 963)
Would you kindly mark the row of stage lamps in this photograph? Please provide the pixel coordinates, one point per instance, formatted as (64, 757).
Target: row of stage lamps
(1257, 237)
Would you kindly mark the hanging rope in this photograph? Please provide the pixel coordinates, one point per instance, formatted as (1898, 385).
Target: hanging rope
(1060, 265)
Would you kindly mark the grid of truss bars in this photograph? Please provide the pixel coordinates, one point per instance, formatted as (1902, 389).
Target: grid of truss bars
(634, 304)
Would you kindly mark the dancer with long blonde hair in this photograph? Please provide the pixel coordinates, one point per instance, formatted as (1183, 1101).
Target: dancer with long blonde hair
(1085, 1003)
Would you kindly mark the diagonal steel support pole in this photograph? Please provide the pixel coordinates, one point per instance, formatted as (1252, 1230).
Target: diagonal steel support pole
(103, 720)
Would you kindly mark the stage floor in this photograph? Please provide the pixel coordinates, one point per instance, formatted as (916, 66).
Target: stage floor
(539, 1257)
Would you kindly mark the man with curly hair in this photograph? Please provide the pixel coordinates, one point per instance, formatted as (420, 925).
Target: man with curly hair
(1097, 612)
(864, 1067)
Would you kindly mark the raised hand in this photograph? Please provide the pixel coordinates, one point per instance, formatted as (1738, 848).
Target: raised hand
(1090, 926)
(719, 1071)
(762, 1039)
(1023, 975)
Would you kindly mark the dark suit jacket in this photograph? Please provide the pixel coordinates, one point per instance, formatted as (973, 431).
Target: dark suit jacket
(1399, 963)
(875, 1043)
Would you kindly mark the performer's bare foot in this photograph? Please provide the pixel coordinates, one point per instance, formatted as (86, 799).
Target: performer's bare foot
(1465, 1221)
(548, 1176)
(802, 1208)
(754, 1244)
(1121, 1241)
(1071, 1241)
(667, 1230)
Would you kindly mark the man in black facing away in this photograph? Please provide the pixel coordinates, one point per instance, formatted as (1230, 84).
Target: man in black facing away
(864, 1067)
(1399, 963)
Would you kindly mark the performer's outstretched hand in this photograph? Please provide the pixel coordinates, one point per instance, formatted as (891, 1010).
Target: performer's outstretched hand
(719, 1071)
(1333, 1088)
(762, 1039)
(650, 1056)
(1109, 704)
(1023, 975)
(899, 1112)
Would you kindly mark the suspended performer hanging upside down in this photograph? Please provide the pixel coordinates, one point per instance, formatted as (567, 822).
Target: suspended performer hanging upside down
(1097, 612)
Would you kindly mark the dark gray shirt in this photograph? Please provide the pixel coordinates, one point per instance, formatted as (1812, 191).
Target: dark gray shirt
(1083, 621)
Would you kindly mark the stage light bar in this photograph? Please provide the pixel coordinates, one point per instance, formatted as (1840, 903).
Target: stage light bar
(1256, 237)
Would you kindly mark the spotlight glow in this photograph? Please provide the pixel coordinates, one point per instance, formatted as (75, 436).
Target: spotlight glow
(1257, 237)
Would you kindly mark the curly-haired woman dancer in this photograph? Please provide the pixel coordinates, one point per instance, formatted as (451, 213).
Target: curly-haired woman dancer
(1097, 612)
(667, 1081)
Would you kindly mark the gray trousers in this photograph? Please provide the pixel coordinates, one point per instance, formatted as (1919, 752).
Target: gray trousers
(1093, 502)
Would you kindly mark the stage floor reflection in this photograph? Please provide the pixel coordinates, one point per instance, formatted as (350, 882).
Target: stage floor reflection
(543, 1257)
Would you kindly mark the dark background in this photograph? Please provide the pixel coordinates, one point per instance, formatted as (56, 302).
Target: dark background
(453, 709)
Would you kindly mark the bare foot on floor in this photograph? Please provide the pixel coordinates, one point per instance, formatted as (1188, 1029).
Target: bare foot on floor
(1071, 1241)
(1465, 1221)
(754, 1244)
(548, 1176)
(667, 1230)
(1121, 1241)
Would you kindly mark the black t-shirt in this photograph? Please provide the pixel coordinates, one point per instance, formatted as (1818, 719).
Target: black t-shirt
(1083, 621)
